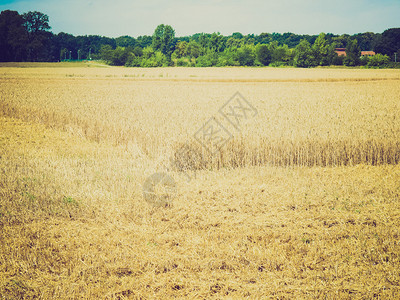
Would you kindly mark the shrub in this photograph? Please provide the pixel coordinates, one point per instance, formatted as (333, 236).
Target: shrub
(378, 60)
(278, 64)
(337, 60)
(182, 62)
(364, 60)
(227, 58)
(208, 60)
(133, 61)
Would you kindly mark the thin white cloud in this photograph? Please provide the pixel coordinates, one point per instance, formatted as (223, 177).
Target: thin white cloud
(127, 17)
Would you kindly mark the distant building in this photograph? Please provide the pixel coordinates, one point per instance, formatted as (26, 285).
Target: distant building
(342, 52)
(367, 53)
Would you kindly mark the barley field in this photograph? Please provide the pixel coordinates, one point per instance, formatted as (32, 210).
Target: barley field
(300, 201)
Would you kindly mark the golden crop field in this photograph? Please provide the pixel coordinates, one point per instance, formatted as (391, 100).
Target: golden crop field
(300, 201)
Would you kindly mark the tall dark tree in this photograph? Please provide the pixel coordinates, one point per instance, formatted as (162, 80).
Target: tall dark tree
(36, 22)
(367, 40)
(37, 27)
(65, 44)
(390, 42)
(13, 37)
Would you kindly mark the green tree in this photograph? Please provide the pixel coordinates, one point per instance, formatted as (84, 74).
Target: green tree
(148, 52)
(203, 40)
(119, 56)
(341, 41)
(161, 59)
(353, 53)
(272, 47)
(181, 49)
(133, 61)
(263, 54)
(150, 58)
(333, 57)
(193, 49)
(144, 41)
(237, 35)
(304, 55)
(106, 53)
(234, 43)
(281, 55)
(246, 56)
(163, 39)
(125, 41)
(264, 38)
(209, 59)
(138, 51)
(321, 50)
(228, 58)
(217, 42)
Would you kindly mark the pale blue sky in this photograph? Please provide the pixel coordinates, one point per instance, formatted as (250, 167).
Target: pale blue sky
(123, 17)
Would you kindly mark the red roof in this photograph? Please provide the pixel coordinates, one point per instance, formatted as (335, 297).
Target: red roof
(342, 52)
(367, 53)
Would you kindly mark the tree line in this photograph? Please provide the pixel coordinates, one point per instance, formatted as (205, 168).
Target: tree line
(27, 37)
